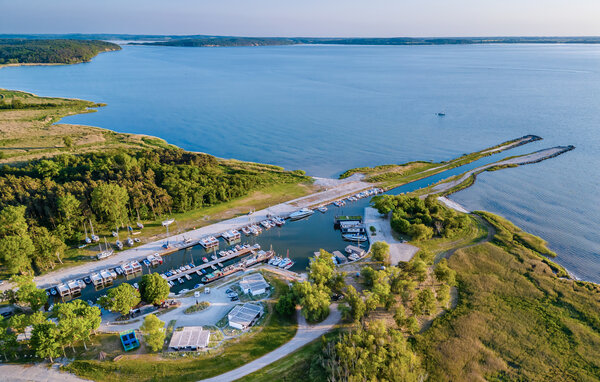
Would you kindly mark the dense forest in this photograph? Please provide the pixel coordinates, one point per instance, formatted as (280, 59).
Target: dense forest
(260, 41)
(44, 204)
(28, 51)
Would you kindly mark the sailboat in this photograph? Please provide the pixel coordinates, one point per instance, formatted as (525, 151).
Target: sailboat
(106, 252)
(87, 239)
(95, 238)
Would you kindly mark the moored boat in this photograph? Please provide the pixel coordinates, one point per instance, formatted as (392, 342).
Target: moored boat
(302, 213)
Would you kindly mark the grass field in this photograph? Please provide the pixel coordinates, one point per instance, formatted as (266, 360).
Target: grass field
(515, 319)
(31, 132)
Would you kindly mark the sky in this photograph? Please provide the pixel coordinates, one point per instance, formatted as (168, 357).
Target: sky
(309, 18)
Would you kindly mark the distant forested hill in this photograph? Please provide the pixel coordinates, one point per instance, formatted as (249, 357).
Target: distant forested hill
(261, 41)
(33, 51)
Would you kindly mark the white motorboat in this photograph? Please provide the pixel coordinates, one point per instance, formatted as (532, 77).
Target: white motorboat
(302, 213)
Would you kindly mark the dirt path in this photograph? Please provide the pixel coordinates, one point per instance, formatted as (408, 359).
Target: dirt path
(491, 231)
(306, 333)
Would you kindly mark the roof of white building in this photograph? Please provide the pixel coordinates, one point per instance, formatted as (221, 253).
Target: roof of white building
(254, 282)
(190, 336)
(245, 314)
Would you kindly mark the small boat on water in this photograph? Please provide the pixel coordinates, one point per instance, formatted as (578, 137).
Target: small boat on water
(213, 267)
(53, 291)
(354, 237)
(284, 263)
(188, 277)
(289, 265)
(87, 280)
(180, 280)
(146, 262)
(198, 272)
(205, 259)
(214, 257)
(302, 213)
(322, 209)
(171, 283)
(265, 224)
(246, 231)
(220, 264)
(136, 286)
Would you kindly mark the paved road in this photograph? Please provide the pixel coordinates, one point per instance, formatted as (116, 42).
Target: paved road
(305, 334)
(36, 373)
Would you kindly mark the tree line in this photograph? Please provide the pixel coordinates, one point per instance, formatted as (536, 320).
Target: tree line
(59, 51)
(420, 219)
(45, 204)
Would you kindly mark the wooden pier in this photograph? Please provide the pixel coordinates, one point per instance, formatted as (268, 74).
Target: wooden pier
(241, 252)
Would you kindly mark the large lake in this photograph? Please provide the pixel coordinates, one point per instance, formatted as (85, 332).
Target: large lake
(325, 109)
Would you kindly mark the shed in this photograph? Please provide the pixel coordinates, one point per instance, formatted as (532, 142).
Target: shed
(243, 316)
(254, 284)
(190, 338)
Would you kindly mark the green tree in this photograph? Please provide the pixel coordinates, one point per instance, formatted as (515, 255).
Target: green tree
(70, 217)
(45, 340)
(381, 252)
(15, 253)
(383, 203)
(412, 325)
(425, 303)
(444, 273)
(154, 332)
(109, 202)
(375, 353)
(48, 248)
(8, 339)
(314, 300)
(356, 305)
(420, 232)
(321, 268)
(154, 289)
(443, 295)
(417, 268)
(18, 323)
(68, 141)
(76, 321)
(120, 299)
(28, 293)
(368, 274)
(286, 305)
(12, 221)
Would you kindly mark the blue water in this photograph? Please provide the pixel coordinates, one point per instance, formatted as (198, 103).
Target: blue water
(328, 108)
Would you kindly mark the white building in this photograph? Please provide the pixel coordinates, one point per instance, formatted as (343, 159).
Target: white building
(254, 284)
(190, 338)
(243, 316)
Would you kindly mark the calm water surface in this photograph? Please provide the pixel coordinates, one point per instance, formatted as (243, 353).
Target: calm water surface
(328, 108)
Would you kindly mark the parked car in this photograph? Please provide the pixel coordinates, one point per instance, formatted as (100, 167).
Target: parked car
(235, 298)
(228, 291)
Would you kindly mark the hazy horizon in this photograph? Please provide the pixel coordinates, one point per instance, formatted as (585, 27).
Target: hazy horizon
(335, 18)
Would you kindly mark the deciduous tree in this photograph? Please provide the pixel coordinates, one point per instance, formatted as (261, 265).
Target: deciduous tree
(120, 299)
(154, 332)
(154, 289)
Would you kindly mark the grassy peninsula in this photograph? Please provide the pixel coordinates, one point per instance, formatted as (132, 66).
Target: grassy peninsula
(393, 175)
(56, 51)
